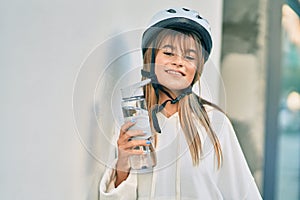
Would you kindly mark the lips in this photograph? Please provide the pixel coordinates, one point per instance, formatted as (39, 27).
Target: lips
(175, 72)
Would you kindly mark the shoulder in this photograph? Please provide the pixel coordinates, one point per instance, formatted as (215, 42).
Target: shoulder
(219, 122)
(215, 114)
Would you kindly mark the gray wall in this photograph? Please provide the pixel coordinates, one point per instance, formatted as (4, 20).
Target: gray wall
(55, 58)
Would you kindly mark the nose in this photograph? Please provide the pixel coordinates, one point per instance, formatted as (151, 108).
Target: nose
(178, 60)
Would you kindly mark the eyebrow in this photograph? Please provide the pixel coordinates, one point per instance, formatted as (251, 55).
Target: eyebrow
(168, 46)
(191, 51)
(172, 47)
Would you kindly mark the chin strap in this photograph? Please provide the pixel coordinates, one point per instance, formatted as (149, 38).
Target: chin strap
(158, 108)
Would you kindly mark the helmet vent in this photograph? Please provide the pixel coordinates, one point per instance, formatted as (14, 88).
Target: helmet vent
(199, 17)
(171, 11)
(185, 9)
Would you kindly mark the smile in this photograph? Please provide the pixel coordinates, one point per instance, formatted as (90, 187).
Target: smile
(175, 72)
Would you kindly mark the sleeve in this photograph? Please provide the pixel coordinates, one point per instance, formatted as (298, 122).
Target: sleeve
(234, 178)
(126, 190)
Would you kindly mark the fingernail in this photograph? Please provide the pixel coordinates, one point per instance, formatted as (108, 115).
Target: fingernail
(133, 120)
(148, 142)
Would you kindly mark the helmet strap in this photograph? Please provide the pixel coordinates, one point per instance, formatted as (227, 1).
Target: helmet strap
(158, 108)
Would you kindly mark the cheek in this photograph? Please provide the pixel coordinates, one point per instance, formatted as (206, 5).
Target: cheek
(191, 73)
(158, 70)
(159, 59)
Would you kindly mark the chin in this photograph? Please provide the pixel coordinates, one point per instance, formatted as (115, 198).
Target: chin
(176, 88)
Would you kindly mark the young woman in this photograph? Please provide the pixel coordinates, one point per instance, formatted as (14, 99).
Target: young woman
(198, 154)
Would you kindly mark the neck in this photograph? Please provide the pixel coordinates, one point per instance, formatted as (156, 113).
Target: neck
(169, 109)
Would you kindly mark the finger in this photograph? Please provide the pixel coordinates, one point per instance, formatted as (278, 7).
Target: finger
(134, 143)
(130, 152)
(135, 152)
(135, 133)
(126, 126)
(129, 135)
(125, 138)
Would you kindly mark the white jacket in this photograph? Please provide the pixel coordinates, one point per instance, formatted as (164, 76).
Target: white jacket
(175, 177)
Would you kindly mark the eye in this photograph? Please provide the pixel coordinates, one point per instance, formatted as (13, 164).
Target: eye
(188, 57)
(168, 53)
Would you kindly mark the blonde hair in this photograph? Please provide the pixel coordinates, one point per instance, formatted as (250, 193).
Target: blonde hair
(189, 106)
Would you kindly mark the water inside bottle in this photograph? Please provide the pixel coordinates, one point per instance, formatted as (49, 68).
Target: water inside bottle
(145, 162)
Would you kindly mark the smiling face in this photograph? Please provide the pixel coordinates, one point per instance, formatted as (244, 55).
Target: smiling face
(176, 61)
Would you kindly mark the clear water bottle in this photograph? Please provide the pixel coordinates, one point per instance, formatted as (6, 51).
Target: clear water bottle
(134, 108)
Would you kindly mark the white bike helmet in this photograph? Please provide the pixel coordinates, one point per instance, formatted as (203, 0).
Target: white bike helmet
(179, 19)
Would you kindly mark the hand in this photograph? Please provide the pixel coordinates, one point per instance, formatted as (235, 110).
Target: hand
(126, 145)
(126, 148)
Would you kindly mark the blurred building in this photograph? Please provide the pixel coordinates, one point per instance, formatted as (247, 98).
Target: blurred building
(261, 69)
